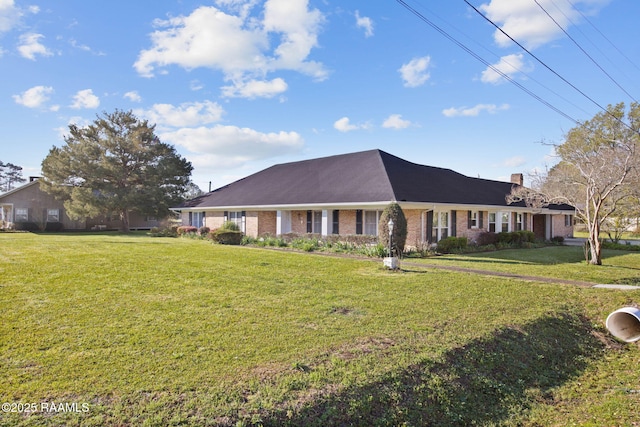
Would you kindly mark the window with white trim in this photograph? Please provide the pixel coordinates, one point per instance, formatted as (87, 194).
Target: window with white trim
(21, 215)
(237, 218)
(317, 222)
(492, 222)
(473, 219)
(568, 220)
(519, 222)
(371, 219)
(440, 228)
(53, 215)
(197, 219)
(504, 221)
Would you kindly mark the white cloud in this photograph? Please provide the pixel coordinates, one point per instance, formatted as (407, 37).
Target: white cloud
(231, 146)
(298, 28)
(474, 111)
(30, 46)
(238, 44)
(85, 99)
(255, 89)
(36, 97)
(344, 125)
(527, 23)
(508, 65)
(9, 15)
(395, 121)
(364, 23)
(196, 85)
(185, 115)
(133, 96)
(515, 161)
(415, 72)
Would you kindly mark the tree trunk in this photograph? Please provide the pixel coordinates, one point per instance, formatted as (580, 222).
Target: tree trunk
(124, 218)
(594, 245)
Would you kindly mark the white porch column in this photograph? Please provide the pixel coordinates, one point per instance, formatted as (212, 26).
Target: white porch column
(325, 222)
(283, 222)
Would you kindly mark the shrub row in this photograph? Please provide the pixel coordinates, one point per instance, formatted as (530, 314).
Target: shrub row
(510, 238)
(452, 244)
(226, 237)
(32, 226)
(308, 242)
(487, 242)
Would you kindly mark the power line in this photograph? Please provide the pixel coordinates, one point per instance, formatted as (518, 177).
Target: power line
(549, 68)
(604, 36)
(595, 46)
(482, 60)
(486, 63)
(503, 60)
(583, 51)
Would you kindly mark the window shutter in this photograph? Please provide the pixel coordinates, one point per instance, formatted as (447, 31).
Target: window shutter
(524, 221)
(336, 222)
(309, 222)
(468, 219)
(225, 216)
(190, 218)
(454, 225)
(480, 220)
(430, 227)
(359, 221)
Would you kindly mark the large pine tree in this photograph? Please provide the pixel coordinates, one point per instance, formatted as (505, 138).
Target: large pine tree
(115, 165)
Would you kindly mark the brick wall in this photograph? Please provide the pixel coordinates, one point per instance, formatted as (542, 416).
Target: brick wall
(414, 227)
(212, 220)
(347, 222)
(267, 223)
(558, 227)
(299, 222)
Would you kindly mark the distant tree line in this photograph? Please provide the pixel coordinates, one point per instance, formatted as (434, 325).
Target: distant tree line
(10, 175)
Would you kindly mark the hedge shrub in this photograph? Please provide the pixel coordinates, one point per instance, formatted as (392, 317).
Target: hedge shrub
(54, 226)
(226, 237)
(26, 226)
(452, 245)
(185, 229)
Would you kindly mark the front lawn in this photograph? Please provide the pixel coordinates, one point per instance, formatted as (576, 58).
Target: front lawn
(562, 262)
(132, 330)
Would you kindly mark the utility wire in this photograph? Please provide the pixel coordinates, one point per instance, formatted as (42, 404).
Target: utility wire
(550, 69)
(480, 46)
(577, 27)
(486, 63)
(584, 51)
(604, 36)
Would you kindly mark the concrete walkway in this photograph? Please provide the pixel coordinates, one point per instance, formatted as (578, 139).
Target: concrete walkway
(579, 241)
(404, 264)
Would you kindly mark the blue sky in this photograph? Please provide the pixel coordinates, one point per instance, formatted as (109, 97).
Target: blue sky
(239, 85)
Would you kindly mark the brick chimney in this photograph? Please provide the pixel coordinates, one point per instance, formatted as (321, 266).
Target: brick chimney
(517, 178)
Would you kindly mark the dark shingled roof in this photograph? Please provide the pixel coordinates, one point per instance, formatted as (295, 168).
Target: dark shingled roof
(367, 176)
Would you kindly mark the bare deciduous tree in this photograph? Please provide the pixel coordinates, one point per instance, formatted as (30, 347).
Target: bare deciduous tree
(598, 164)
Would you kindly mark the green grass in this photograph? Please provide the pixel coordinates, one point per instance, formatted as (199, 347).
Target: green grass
(562, 262)
(160, 331)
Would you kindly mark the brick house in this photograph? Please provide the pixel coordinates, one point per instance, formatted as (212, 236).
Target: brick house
(345, 194)
(29, 204)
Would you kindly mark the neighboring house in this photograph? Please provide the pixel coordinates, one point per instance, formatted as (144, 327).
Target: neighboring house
(346, 194)
(29, 204)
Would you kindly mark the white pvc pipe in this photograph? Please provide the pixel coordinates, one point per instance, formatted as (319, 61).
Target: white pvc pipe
(624, 324)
